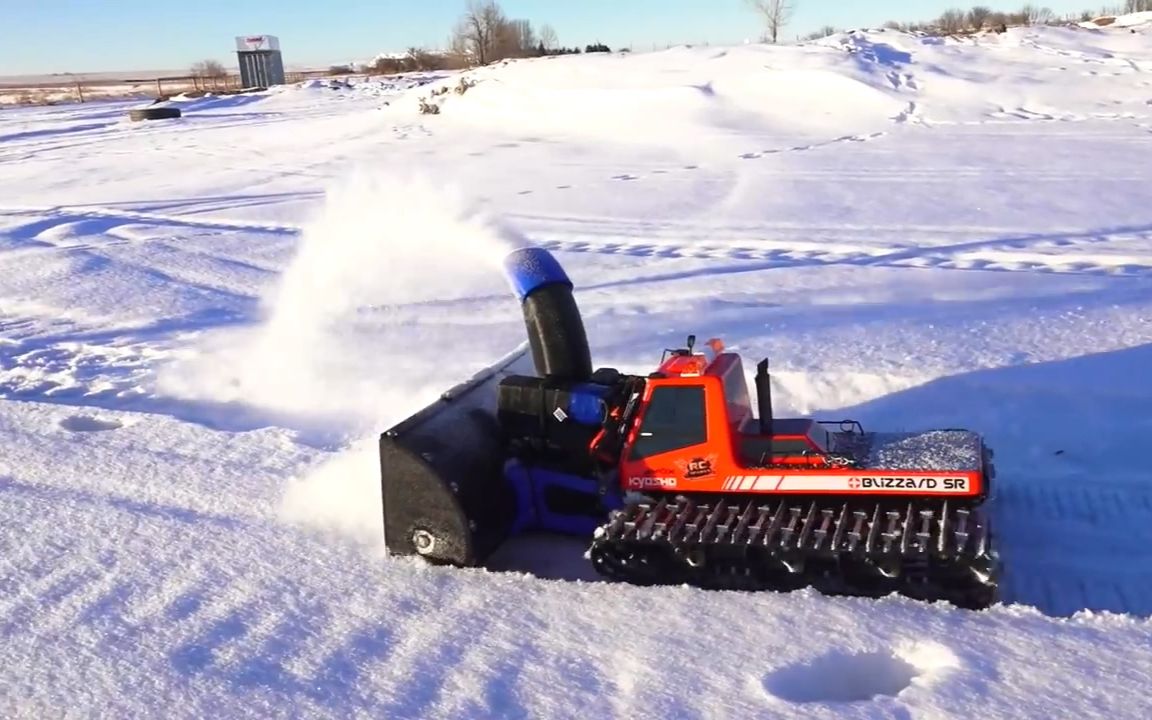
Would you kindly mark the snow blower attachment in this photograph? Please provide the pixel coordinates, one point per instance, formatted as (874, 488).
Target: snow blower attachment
(673, 479)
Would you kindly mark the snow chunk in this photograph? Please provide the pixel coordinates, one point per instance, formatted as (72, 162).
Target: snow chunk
(934, 450)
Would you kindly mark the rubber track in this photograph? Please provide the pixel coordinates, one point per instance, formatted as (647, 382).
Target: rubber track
(929, 549)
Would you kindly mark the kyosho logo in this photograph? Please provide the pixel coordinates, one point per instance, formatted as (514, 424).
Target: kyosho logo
(652, 482)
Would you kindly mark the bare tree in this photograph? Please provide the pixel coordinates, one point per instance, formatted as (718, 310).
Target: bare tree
(775, 13)
(207, 71)
(478, 29)
(548, 37)
(951, 21)
(978, 16)
(1036, 15)
(1132, 6)
(458, 45)
(821, 33)
(515, 38)
(484, 34)
(997, 20)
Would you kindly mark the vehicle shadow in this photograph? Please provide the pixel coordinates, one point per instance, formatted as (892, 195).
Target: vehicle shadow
(1072, 506)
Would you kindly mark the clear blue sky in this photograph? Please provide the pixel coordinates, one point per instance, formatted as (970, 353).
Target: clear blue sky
(43, 36)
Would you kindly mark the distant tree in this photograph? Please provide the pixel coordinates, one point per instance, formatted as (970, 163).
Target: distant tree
(208, 71)
(514, 38)
(978, 16)
(775, 14)
(484, 34)
(479, 29)
(951, 21)
(821, 33)
(1133, 6)
(419, 59)
(548, 38)
(1033, 15)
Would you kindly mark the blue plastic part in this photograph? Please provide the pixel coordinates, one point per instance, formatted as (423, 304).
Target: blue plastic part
(530, 268)
(530, 484)
(521, 481)
(587, 405)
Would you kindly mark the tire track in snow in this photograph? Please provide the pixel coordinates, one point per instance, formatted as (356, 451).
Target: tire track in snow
(756, 154)
(174, 594)
(620, 237)
(42, 594)
(1119, 251)
(658, 173)
(338, 664)
(86, 234)
(92, 604)
(207, 626)
(189, 267)
(49, 585)
(295, 625)
(1069, 546)
(494, 669)
(419, 673)
(54, 215)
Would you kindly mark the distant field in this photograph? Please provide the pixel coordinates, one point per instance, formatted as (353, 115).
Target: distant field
(56, 88)
(94, 78)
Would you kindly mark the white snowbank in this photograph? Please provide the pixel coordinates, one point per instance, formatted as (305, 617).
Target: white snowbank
(1130, 20)
(206, 323)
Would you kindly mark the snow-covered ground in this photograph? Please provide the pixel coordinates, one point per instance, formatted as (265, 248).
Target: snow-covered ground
(207, 321)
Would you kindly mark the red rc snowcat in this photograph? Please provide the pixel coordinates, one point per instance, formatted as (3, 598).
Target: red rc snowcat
(674, 479)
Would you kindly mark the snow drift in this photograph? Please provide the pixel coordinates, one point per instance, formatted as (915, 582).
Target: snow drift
(918, 231)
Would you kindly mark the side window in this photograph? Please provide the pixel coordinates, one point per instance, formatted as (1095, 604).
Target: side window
(675, 418)
(736, 392)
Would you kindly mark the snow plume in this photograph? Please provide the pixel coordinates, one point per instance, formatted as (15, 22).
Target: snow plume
(339, 330)
(333, 348)
(339, 352)
(386, 240)
(341, 494)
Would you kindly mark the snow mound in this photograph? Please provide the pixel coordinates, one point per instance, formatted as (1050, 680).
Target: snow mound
(863, 80)
(1130, 20)
(695, 95)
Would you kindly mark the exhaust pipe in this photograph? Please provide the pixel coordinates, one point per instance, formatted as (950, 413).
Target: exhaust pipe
(764, 397)
(445, 493)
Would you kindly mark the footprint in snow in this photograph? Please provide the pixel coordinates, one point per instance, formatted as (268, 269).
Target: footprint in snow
(840, 676)
(88, 423)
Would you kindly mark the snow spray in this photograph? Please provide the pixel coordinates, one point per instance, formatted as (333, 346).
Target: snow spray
(348, 330)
